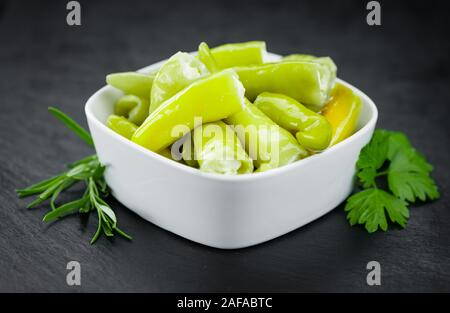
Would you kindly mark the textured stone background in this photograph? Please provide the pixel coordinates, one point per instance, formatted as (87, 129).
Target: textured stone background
(403, 65)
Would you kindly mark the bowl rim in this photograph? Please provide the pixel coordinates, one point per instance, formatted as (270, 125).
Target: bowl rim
(233, 178)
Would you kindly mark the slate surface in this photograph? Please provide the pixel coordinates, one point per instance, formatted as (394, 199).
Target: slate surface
(403, 65)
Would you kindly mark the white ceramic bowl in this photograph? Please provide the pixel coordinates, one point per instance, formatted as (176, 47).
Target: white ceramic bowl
(225, 211)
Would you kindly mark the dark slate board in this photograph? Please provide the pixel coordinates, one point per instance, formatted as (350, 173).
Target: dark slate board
(403, 65)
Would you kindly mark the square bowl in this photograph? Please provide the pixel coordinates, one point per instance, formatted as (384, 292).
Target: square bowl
(223, 211)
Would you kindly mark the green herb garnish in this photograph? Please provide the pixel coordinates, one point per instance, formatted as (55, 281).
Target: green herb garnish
(87, 170)
(389, 154)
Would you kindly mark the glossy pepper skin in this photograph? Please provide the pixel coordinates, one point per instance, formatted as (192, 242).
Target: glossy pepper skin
(239, 54)
(166, 153)
(177, 73)
(218, 150)
(212, 98)
(306, 82)
(132, 83)
(327, 61)
(269, 145)
(121, 125)
(205, 56)
(342, 111)
(312, 130)
(132, 107)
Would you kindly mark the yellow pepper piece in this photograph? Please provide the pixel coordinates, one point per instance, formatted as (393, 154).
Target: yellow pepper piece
(239, 54)
(121, 125)
(342, 111)
(211, 98)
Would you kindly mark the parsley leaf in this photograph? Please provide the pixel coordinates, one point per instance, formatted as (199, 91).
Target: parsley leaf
(396, 142)
(367, 177)
(375, 152)
(399, 143)
(368, 207)
(408, 177)
(372, 158)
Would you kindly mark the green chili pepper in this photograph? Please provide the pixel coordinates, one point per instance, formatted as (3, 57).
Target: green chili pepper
(132, 83)
(132, 107)
(239, 54)
(306, 82)
(121, 125)
(269, 145)
(218, 150)
(166, 153)
(327, 61)
(177, 73)
(211, 98)
(313, 131)
(206, 57)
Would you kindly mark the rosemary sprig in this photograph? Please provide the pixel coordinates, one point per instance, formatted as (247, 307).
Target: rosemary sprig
(88, 171)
